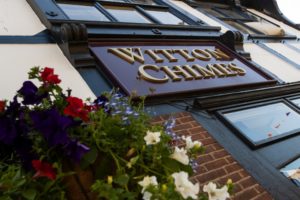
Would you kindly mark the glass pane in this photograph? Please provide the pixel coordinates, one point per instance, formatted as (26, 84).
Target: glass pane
(292, 171)
(265, 122)
(212, 12)
(115, 0)
(149, 2)
(165, 17)
(233, 14)
(82, 12)
(296, 102)
(127, 14)
(240, 27)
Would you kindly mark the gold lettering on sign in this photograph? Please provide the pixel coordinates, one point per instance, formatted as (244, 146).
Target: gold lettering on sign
(218, 54)
(238, 70)
(191, 71)
(154, 56)
(130, 55)
(215, 70)
(175, 71)
(227, 72)
(144, 75)
(201, 54)
(185, 54)
(204, 72)
(167, 53)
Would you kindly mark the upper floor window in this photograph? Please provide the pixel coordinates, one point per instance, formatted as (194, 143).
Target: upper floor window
(126, 14)
(244, 21)
(83, 12)
(165, 17)
(129, 11)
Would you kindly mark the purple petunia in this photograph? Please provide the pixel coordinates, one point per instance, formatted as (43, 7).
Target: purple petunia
(52, 125)
(8, 130)
(12, 123)
(75, 150)
(30, 94)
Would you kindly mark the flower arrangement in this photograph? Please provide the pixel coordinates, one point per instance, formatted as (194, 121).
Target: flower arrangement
(43, 130)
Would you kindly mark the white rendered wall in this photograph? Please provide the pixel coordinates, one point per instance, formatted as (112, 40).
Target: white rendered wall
(16, 60)
(199, 15)
(297, 45)
(17, 18)
(285, 51)
(277, 66)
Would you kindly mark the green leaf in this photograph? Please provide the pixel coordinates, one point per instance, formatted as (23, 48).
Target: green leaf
(122, 180)
(104, 167)
(89, 158)
(172, 165)
(29, 194)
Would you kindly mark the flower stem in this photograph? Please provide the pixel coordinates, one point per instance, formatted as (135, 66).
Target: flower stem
(115, 159)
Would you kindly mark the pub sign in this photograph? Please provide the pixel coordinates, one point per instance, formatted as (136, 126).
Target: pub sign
(148, 69)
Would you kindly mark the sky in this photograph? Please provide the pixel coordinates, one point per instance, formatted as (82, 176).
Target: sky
(290, 8)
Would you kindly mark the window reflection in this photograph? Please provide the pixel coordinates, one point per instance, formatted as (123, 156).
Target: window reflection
(292, 171)
(265, 122)
(240, 27)
(233, 13)
(82, 12)
(165, 17)
(296, 102)
(212, 12)
(149, 2)
(126, 14)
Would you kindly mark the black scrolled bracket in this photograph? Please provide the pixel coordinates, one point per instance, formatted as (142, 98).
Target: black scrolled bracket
(70, 32)
(73, 40)
(234, 41)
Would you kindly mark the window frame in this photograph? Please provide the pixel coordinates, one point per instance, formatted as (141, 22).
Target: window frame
(53, 17)
(251, 18)
(139, 7)
(82, 4)
(288, 162)
(268, 141)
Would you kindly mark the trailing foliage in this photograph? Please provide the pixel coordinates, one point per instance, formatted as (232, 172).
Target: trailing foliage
(42, 129)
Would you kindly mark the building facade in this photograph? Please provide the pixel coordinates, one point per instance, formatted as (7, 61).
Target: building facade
(227, 70)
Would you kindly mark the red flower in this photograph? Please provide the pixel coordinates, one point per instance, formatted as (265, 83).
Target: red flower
(48, 76)
(76, 108)
(43, 169)
(2, 106)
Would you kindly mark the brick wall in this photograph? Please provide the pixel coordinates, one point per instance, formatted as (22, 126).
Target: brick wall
(216, 164)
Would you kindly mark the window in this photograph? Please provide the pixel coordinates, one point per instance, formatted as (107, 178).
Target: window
(127, 11)
(126, 14)
(240, 27)
(263, 124)
(292, 171)
(245, 22)
(149, 2)
(165, 17)
(296, 102)
(83, 12)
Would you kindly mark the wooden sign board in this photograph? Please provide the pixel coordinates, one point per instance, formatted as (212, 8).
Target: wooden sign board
(168, 69)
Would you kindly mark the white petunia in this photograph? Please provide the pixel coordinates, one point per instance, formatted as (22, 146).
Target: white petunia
(152, 138)
(214, 193)
(191, 144)
(147, 196)
(180, 154)
(148, 180)
(184, 186)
